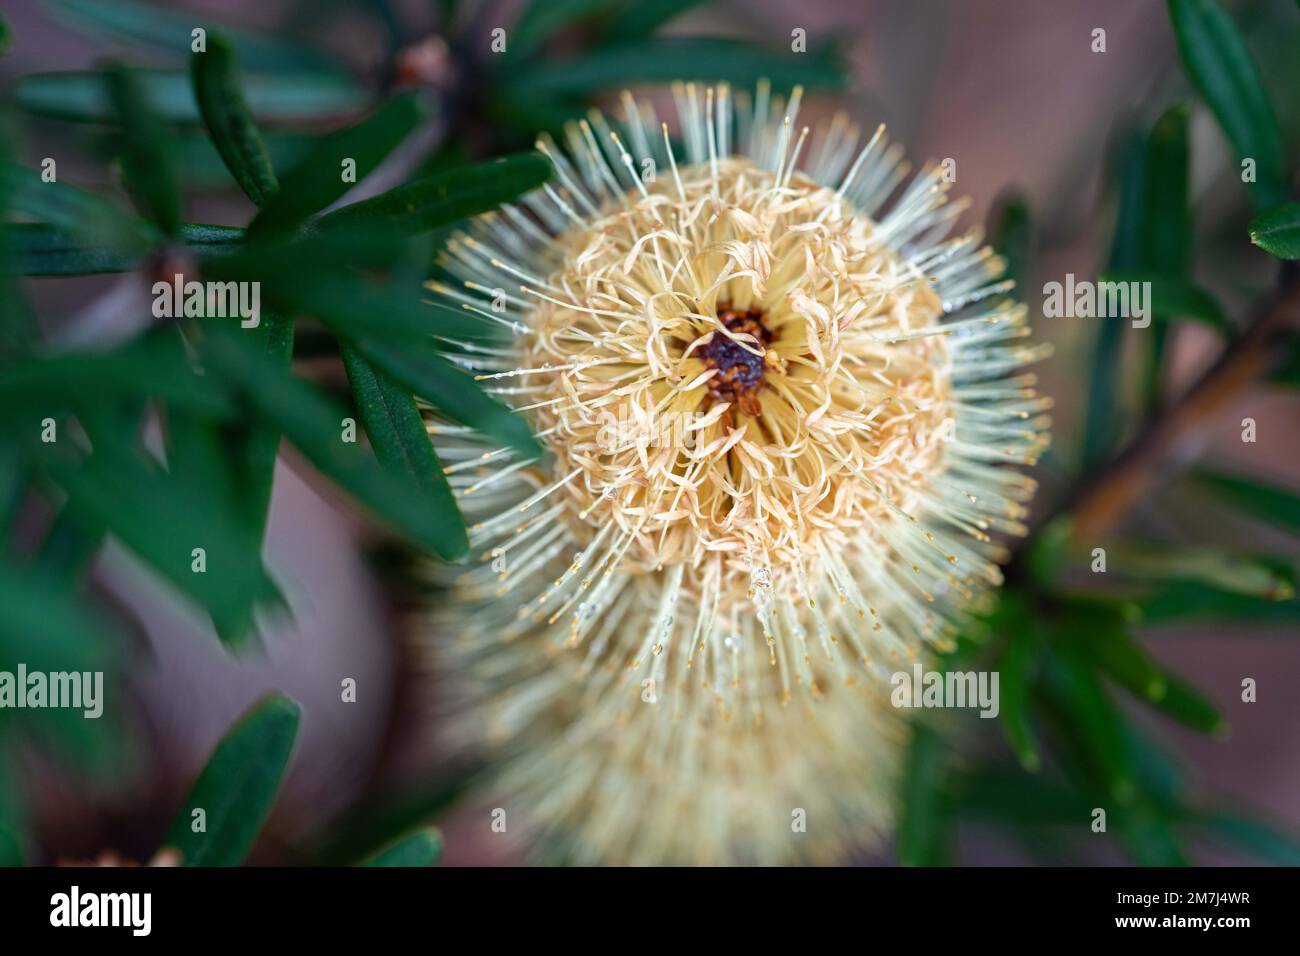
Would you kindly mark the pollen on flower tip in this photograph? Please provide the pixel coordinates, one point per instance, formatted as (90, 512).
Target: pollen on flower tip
(782, 408)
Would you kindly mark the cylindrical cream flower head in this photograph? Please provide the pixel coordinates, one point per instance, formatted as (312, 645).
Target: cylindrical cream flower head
(779, 405)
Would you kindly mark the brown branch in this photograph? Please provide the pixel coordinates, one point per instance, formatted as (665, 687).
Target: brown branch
(1101, 499)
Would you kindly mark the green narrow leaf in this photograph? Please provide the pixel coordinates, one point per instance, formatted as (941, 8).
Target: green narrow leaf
(315, 425)
(638, 20)
(1166, 229)
(401, 443)
(1218, 569)
(1107, 643)
(1015, 666)
(147, 170)
(154, 26)
(1221, 68)
(923, 830)
(1091, 726)
(233, 463)
(163, 523)
(259, 444)
(1101, 428)
(418, 849)
(36, 249)
(1259, 839)
(74, 211)
(1010, 234)
(221, 102)
(6, 37)
(427, 374)
(237, 787)
(40, 627)
(152, 366)
(1277, 231)
(318, 180)
(438, 200)
(289, 97)
(374, 824)
(13, 815)
(542, 19)
(1171, 298)
(357, 308)
(1178, 603)
(1276, 506)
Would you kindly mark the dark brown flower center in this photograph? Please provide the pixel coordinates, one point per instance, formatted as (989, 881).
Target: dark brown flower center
(740, 366)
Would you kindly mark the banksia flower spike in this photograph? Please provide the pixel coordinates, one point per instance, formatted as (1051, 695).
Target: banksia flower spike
(781, 409)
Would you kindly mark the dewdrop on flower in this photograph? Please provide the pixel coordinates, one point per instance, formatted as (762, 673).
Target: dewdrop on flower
(780, 408)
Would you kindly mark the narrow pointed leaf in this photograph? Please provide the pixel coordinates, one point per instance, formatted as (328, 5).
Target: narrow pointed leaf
(237, 787)
(315, 425)
(419, 849)
(294, 97)
(154, 26)
(220, 96)
(401, 443)
(430, 376)
(1220, 66)
(318, 181)
(435, 201)
(147, 168)
(1278, 231)
(1272, 504)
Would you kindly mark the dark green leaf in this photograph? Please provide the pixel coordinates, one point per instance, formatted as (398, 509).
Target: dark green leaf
(315, 425)
(1179, 603)
(238, 785)
(427, 374)
(36, 249)
(1010, 235)
(1221, 570)
(318, 180)
(13, 816)
(280, 97)
(1268, 843)
(151, 25)
(1274, 505)
(542, 19)
(163, 523)
(149, 367)
(418, 849)
(1223, 72)
(1165, 230)
(6, 37)
(375, 824)
(220, 97)
(1016, 666)
(147, 169)
(401, 443)
(41, 628)
(1172, 298)
(667, 60)
(74, 211)
(923, 830)
(639, 19)
(438, 200)
(1278, 231)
